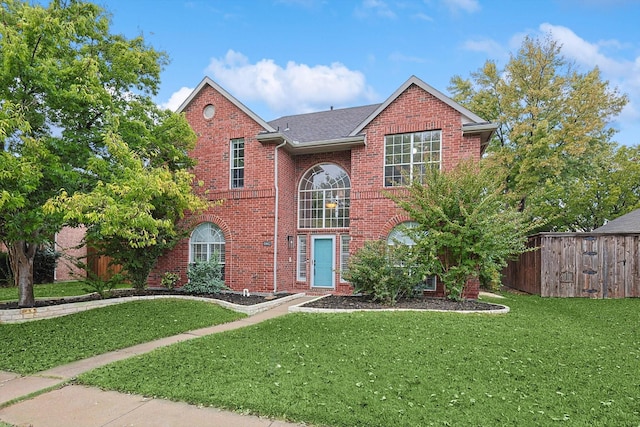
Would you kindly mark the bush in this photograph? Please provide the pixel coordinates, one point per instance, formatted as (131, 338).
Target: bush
(379, 270)
(44, 265)
(205, 277)
(6, 278)
(103, 287)
(169, 280)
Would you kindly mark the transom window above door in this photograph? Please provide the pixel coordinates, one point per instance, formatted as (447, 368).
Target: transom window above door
(324, 197)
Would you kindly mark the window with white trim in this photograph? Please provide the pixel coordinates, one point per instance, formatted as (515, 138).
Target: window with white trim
(302, 258)
(237, 163)
(408, 156)
(324, 197)
(400, 236)
(206, 242)
(345, 239)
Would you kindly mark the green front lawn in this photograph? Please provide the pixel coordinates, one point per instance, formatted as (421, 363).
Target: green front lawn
(38, 345)
(550, 361)
(61, 289)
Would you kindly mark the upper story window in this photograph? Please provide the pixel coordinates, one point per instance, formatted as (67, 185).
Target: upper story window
(324, 197)
(407, 156)
(237, 163)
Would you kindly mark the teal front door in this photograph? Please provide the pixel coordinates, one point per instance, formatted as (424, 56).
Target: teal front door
(323, 262)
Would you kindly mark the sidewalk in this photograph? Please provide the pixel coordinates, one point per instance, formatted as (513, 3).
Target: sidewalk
(62, 405)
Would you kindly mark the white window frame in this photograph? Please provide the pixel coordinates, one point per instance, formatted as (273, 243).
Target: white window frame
(236, 145)
(301, 264)
(345, 241)
(210, 246)
(324, 207)
(417, 148)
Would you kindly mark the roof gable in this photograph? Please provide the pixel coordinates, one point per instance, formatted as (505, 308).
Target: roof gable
(209, 82)
(470, 117)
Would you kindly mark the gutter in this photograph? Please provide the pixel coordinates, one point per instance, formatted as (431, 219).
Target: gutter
(276, 211)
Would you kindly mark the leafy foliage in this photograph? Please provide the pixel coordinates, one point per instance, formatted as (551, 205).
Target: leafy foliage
(465, 228)
(133, 217)
(169, 280)
(76, 100)
(382, 271)
(554, 128)
(205, 277)
(44, 264)
(101, 286)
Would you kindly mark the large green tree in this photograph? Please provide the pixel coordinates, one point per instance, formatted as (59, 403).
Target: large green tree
(66, 84)
(554, 124)
(465, 230)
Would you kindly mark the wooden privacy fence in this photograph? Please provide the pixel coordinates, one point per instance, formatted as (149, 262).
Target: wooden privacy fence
(594, 265)
(98, 265)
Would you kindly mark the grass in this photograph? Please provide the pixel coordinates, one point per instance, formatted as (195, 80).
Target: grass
(62, 289)
(550, 361)
(39, 345)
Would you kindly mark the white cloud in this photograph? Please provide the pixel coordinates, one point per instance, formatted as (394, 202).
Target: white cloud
(492, 48)
(375, 7)
(584, 52)
(455, 6)
(177, 98)
(294, 88)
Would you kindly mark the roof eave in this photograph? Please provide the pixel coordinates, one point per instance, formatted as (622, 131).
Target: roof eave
(485, 130)
(313, 147)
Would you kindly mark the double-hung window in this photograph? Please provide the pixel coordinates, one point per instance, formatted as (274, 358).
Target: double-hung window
(409, 155)
(237, 163)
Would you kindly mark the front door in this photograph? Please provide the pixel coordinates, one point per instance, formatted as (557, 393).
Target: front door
(323, 264)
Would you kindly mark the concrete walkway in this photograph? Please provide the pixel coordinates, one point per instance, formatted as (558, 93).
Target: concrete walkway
(43, 399)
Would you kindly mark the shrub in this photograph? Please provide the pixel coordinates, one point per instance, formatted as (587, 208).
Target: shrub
(104, 287)
(205, 277)
(44, 265)
(6, 279)
(169, 280)
(380, 271)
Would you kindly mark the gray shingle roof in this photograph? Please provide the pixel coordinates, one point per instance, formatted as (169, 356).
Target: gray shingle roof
(629, 223)
(323, 125)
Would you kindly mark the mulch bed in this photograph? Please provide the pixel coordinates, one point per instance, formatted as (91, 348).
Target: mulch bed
(232, 297)
(331, 301)
(424, 303)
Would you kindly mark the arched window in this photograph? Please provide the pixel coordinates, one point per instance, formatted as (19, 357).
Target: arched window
(400, 236)
(324, 197)
(206, 242)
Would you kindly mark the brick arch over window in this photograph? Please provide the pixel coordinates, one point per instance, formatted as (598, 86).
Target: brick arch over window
(391, 224)
(195, 221)
(324, 197)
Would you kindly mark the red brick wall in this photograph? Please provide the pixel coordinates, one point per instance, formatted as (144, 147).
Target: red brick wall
(247, 216)
(67, 242)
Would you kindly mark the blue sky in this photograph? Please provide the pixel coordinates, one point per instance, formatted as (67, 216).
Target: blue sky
(283, 57)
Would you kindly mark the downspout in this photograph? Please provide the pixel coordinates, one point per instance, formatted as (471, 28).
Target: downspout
(275, 227)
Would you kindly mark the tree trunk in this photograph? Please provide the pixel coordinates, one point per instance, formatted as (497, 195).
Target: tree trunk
(21, 256)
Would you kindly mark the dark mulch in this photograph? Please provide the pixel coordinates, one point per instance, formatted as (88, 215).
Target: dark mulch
(366, 302)
(232, 297)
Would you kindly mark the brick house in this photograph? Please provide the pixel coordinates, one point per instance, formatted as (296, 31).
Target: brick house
(301, 193)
